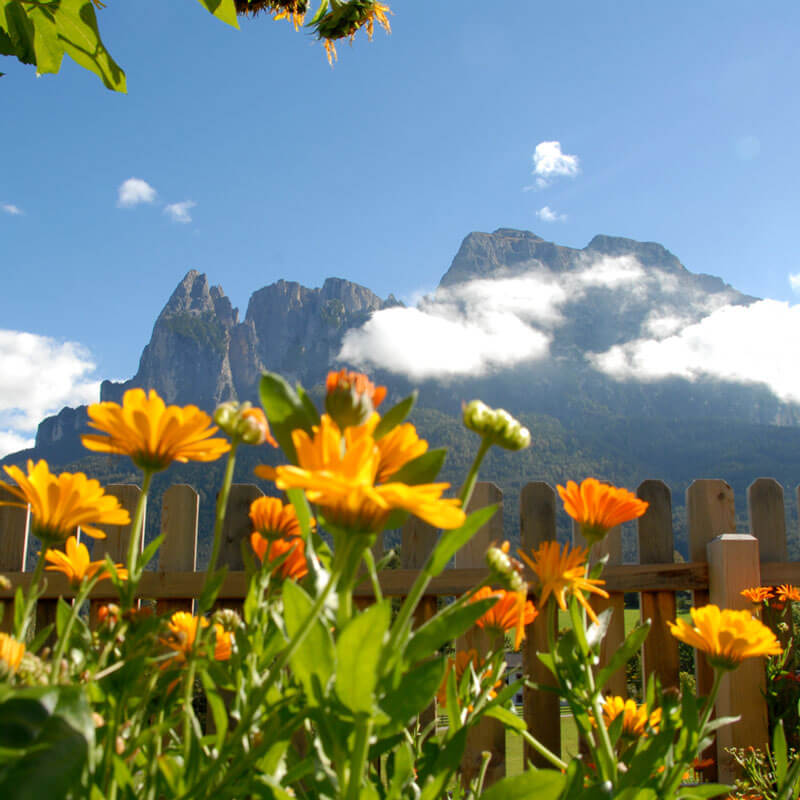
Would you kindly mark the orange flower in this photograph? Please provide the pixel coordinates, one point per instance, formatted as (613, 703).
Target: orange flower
(598, 507)
(152, 433)
(787, 592)
(274, 520)
(561, 572)
(397, 448)
(512, 611)
(75, 564)
(757, 594)
(11, 652)
(351, 397)
(725, 636)
(295, 565)
(183, 630)
(59, 504)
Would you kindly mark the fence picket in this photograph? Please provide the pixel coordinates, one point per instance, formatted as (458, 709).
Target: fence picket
(14, 526)
(178, 552)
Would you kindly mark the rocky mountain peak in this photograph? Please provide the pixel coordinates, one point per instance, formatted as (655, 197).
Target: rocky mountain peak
(649, 254)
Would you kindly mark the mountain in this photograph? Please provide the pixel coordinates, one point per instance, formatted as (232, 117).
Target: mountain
(581, 314)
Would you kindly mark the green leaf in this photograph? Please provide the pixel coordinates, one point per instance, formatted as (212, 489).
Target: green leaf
(222, 9)
(402, 771)
(20, 30)
(394, 416)
(543, 784)
(149, 552)
(447, 761)
(631, 646)
(301, 509)
(416, 690)
(285, 411)
(209, 594)
(779, 752)
(76, 24)
(507, 717)
(422, 469)
(48, 48)
(444, 627)
(452, 541)
(308, 404)
(312, 663)
(358, 652)
(217, 706)
(704, 790)
(63, 613)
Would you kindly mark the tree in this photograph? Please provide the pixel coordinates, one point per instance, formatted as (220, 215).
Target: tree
(40, 32)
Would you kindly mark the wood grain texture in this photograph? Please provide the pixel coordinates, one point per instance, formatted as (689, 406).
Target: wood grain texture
(767, 516)
(237, 527)
(13, 548)
(656, 545)
(179, 514)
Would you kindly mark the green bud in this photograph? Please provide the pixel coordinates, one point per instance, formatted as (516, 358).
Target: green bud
(505, 570)
(497, 425)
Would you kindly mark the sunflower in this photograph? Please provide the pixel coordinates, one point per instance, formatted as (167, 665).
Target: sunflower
(75, 563)
(294, 567)
(61, 503)
(726, 637)
(635, 719)
(11, 652)
(152, 433)
(561, 572)
(183, 631)
(512, 611)
(757, 594)
(598, 507)
(339, 474)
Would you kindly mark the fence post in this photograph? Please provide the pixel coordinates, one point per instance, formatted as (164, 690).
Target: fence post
(656, 546)
(489, 734)
(541, 710)
(733, 565)
(14, 527)
(178, 552)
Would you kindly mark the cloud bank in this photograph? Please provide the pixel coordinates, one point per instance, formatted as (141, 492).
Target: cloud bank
(134, 192)
(38, 377)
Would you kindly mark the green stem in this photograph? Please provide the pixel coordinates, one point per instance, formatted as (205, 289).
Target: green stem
(222, 507)
(472, 475)
(543, 751)
(31, 598)
(135, 537)
(83, 593)
(360, 749)
(373, 575)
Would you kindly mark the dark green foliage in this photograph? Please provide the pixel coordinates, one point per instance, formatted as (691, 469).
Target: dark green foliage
(204, 329)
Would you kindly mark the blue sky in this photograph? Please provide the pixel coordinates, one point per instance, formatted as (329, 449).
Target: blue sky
(681, 121)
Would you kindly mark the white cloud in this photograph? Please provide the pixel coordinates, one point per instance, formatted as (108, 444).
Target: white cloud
(794, 281)
(744, 344)
(546, 214)
(549, 162)
(134, 191)
(38, 377)
(179, 212)
(11, 442)
(611, 272)
(10, 208)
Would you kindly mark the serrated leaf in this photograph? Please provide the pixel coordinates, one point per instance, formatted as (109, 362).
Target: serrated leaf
(358, 652)
(452, 541)
(394, 416)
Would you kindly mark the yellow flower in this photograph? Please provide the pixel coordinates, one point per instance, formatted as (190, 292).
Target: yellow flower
(151, 433)
(757, 594)
(598, 507)
(561, 572)
(635, 719)
(726, 637)
(397, 448)
(61, 503)
(339, 474)
(75, 564)
(513, 611)
(183, 629)
(11, 652)
(787, 592)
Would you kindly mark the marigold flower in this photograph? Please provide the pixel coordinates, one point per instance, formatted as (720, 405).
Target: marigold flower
(295, 566)
(351, 397)
(75, 563)
(397, 448)
(598, 507)
(725, 636)
(786, 592)
(339, 474)
(757, 594)
(513, 611)
(152, 433)
(635, 719)
(183, 630)
(61, 503)
(561, 572)
(273, 519)
(11, 652)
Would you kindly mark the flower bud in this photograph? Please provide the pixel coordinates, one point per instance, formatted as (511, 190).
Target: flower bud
(504, 569)
(496, 425)
(351, 398)
(243, 422)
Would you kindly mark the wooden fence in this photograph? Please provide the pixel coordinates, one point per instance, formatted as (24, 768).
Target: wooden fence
(721, 563)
